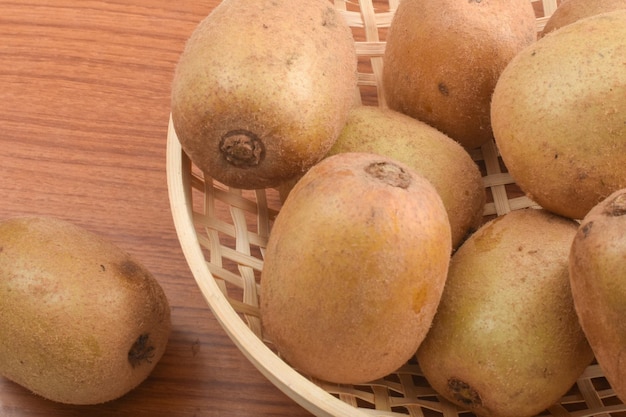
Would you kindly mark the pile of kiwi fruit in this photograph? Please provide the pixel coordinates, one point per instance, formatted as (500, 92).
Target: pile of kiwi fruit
(380, 253)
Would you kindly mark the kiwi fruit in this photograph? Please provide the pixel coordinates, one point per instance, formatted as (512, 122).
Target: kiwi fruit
(558, 115)
(570, 11)
(354, 268)
(443, 59)
(598, 280)
(83, 322)
(506, 340)
(431, 153)
(262, 90)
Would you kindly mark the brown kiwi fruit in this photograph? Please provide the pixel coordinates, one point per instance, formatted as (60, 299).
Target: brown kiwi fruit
(443, 59)
(354, 268)
(261, 91)
(506, 340)
(598, 279)
(558, 115)
(431, 153)
(83, 322)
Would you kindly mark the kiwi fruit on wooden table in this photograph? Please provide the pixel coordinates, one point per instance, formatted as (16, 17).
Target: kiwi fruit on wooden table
(431, 153)
(262, 89)
(354, 268)
(598, 280)
(558, 115)
(506, 340)
(82, 321)
(443, 59)
(569, 11)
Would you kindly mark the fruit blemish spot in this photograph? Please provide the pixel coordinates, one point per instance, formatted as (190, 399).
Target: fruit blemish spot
(328, 18)
(141, 351)
(242, 148)
(389, 173)
(616, 208)
(586, 229)
(130, 270)
(443, 89)
(464, 393)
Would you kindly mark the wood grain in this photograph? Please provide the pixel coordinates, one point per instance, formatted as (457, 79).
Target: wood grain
(84, 105)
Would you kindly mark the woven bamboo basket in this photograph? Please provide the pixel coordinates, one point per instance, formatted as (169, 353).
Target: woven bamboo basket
(223, 233)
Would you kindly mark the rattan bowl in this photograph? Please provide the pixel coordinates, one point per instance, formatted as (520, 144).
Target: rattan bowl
(223, 233)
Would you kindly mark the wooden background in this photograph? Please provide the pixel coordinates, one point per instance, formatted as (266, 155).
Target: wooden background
(84, 105)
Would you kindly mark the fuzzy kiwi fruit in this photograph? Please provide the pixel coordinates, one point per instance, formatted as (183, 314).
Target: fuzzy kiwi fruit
(82, 322)
(571, 11)
(443, 59)
(506, 340)
(262, 90)
(431, 153)
(598, 280)
(558, 115)
(354, 268)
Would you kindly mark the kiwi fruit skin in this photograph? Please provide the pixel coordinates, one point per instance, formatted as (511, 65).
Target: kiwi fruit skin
(260, 93)
(598, 280)
(558, 115)
(506, 340)
(570, 11)
(82, 321)
(443, 59)
(431, 153)
(354, 268)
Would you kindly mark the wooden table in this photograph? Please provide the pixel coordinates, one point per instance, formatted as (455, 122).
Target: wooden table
(84, 105)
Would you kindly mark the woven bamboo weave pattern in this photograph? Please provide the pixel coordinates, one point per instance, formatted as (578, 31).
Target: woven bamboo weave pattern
(225, 253)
